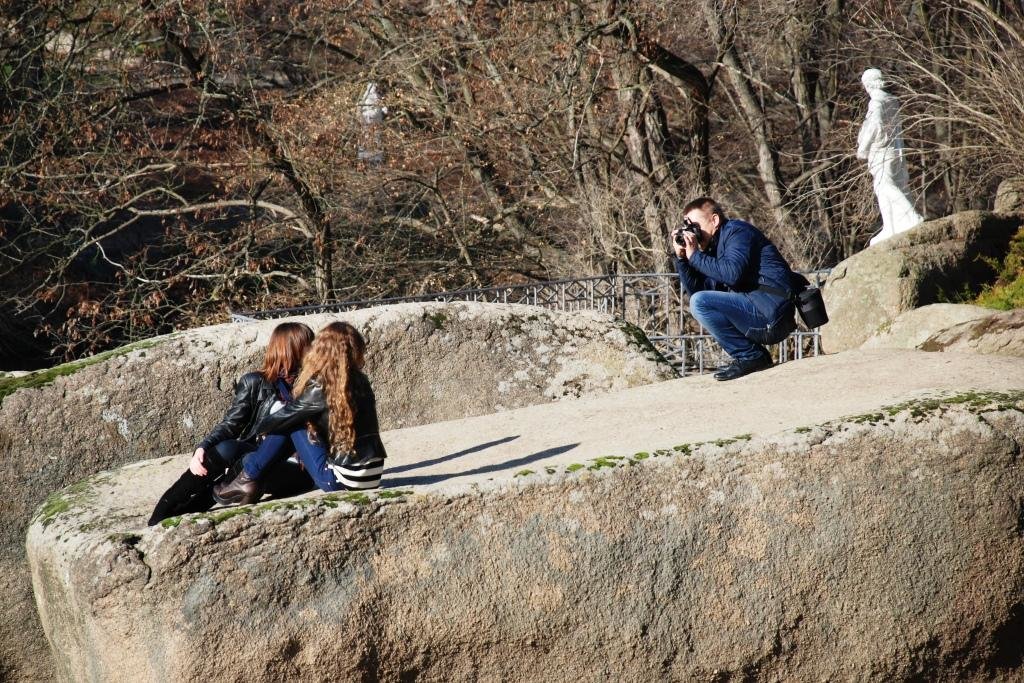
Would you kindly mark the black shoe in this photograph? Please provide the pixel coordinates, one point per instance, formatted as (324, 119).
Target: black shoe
(738, 368)
(240, 491)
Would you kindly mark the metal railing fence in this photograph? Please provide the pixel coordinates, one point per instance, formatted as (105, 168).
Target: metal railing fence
(654, 302)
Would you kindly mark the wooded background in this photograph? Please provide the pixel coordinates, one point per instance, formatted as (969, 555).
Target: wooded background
(163, 161)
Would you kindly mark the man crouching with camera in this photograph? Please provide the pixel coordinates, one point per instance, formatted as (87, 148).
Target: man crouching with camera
(741, 288)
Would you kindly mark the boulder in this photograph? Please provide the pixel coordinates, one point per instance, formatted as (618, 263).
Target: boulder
(958, 328)
(885, 546)
(428, 362)
(912, 328)
(943, 260)
(1000, 332)
(1010, 197)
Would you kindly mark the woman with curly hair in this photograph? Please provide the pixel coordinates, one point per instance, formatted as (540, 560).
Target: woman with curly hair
(257, 394)
(331, 423)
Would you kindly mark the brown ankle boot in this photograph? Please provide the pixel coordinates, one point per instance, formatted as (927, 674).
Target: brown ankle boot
(240, 491)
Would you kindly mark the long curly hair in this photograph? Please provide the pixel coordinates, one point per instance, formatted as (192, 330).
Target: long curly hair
(337, 352)
(288, 344)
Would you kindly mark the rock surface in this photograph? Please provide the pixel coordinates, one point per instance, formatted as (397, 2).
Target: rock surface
(428, 362)
(938, 261)
(1001, 332)
(884, 546)
(955, 327)
(1010, 196)
(912, 328)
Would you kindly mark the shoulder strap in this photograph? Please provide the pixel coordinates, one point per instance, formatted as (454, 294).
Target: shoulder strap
(788, 296)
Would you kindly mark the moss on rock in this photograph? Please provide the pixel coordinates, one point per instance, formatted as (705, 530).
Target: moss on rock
(66, 499)
(639, 338)
(41, 378)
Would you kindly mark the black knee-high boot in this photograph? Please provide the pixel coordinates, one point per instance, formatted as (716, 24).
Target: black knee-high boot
(191, 493)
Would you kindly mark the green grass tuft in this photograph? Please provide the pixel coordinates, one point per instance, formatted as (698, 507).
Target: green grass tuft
(1003, 297)
(1007, 291)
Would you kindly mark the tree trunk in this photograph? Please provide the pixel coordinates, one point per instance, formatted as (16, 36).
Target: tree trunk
(753, 114)
(641, 139)
(693, 86)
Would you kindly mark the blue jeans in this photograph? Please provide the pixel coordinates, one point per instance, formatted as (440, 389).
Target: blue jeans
(314, 459)
(274, 448)
(737, 319)
(312, 455)
(231, 451)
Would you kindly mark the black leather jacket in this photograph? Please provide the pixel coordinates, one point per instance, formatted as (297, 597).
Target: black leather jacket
(311, 406)
(254, 397)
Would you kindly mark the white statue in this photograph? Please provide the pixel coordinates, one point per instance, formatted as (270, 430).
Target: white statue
(370, 109)
(371, 114)
(881, 142)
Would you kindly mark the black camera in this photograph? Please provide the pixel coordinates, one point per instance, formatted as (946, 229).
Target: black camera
(690, 227)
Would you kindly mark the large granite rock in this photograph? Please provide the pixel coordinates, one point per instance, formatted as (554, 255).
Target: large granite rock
(428, 362)
(1000, 332)
(914, 327)
(1010, 196)
(887, 546)
(957, 328)
(943, 260)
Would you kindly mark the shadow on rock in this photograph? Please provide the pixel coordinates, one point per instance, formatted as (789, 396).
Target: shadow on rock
(450, 456)
(487, 469)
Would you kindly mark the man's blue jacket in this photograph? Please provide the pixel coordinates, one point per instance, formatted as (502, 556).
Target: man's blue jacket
(739, 259)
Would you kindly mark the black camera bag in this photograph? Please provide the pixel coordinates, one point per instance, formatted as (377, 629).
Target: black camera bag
(806, 299)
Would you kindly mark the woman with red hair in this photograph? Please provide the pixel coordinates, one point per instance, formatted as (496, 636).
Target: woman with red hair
(331, 423)
(257, 394)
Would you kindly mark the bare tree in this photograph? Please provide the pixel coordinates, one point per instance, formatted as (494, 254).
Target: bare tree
(963, 106)
(164, 163)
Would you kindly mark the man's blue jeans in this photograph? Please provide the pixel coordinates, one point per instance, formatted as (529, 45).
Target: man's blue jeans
(312, 455)
(732, 318)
